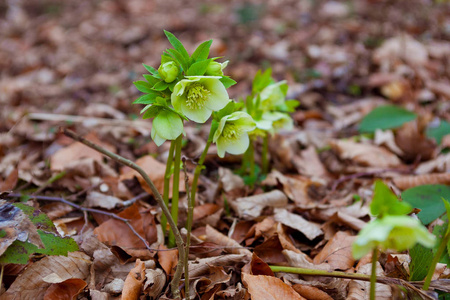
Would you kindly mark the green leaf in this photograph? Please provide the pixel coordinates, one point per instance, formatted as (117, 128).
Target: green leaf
(152, 79)
(56, 245)
(152, 111)
(198, 68)
(18, 253)
(385, 202)
(261, 80)
(161, 86)
(143, 86)
(178, 58)
(37, 217)
(385, 117)
(150, 69)
(177, 45)
(227, 81)
(428, 199)
(439, 132)
(146, 99)
(201, 52)
(421, 258)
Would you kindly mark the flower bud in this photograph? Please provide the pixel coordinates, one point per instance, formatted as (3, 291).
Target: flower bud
(215, 69)
(168, 71)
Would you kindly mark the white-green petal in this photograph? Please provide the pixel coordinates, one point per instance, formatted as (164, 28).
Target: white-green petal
(235, 147)
(156, 138)
(200, 115)
(168, 125)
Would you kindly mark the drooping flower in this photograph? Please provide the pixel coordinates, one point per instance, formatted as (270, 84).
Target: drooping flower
(280, 121)
(392, 232)
(168, 71)
(232, 133)
(198, 96)
(167, 125)
(273, 95)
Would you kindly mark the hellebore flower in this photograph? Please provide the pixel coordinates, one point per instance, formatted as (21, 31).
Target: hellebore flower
(280, 121)
(391, 232)
(273, 95)
(232, 133)
(198, 96)
(168, 71)
(216, 69)
(167, 125)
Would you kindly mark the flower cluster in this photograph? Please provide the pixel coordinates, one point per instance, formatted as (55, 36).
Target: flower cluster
(268, 105)
(192, 87)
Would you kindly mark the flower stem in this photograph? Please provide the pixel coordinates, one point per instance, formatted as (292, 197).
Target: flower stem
(198, 170)
(175, 187)
(436, 258)
(167, 177)
(373, 274)
(251, 149)
(190, 216)
(265, 154)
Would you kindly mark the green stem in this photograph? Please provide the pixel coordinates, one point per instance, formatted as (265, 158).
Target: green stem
(251, 157)
(190, 215)
(167, 176)
(198, 170)
(175, 187)
(265, 154)
(178, 238)
(245, 162)
(373, 274)
(435, 261)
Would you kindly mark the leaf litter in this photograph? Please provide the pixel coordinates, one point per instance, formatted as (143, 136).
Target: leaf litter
(340, 65)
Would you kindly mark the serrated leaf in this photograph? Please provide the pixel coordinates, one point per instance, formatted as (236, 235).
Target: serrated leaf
(37, 217)
(385, 117)
(56, 245)
(150, 69)
(177, 45)
(161, 86)
(428, 199)
(198, 68)
(421, 258)
(227, 81)
(261, 80)
(439, 132)
(143, 86)
(146, 99)
(151, 79)
(178, 58)
(18, 253)
(201, 52)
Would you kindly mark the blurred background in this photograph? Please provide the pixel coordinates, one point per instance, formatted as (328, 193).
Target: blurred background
(68, 57)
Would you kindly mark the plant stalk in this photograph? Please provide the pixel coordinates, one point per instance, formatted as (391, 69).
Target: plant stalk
(175, 187)
(167, 176)
(178, 238)
(434, 262)
(251, 157)
(373, 274)
(198, 170)
(190, 216)
(265, 155)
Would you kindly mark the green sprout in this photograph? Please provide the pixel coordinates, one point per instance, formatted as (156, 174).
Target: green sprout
(392, 229)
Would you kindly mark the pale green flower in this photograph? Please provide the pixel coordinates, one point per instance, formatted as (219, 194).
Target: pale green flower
(232, 133)
(167, 125)
(280, 121)
(216, 69)
(168, 71)
(273, 95)
(198, 96)
(392, 232)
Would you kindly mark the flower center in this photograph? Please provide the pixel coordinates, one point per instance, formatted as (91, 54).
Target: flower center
(231, 132)
(197, 95)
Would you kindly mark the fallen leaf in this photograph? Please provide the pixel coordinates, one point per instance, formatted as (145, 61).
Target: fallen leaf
(309, 229)
(31, 284)
(96, 199)
(201, 266)
(168, 259)
(251, 207)
(439, 164)
(359, 290)
(365, 154)
(155, 282)
(228, 244)
(309, 164)
(311, 293)
(263, 287)
(414, 143)
(133, 283)
(337, 252)
(406, 182)
(68, 289)
(400, 48)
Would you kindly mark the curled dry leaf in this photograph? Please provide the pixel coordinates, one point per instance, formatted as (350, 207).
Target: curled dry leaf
(251, 207)
(96, 199)
(414, 143)
(201, 266)
(348, 220)
(31, 284)
(133, 283)
(301, 260)
(387, 138)
(309, 164)
(168, 259)
(227, 243)
(439, 164)
(337, 252)
(309, 229)
(401, 48)
(229, 180)
(155, 281)
(263, 287)
(210, 283)
(365, 154)
(406, 182)
(311, 293)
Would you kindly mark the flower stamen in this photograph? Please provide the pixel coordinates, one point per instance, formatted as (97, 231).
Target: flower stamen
(231, 132)
(197, 96)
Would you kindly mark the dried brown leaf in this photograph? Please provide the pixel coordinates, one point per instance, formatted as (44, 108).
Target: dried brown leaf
(263, 287)
(337, 252)
(251, 207)
(32, 283)
(359, 290)
(155, 282)
(310, 229)
(68, 289)
(311, 293)
(133, 283)
(228, 244)
(309, 164)
(406, 182)
(201, 266)
(168, 259)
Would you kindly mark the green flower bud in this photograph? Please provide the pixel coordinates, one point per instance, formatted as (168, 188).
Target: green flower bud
(168, 71)
(215, 69)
